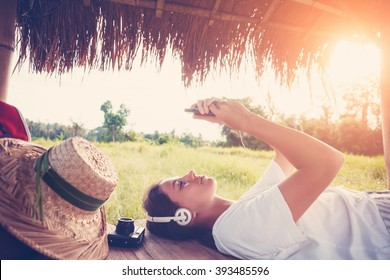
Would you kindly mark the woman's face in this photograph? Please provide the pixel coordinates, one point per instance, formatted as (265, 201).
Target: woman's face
(190, 191)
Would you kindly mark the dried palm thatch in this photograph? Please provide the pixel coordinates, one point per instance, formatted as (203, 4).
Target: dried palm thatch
(57, 35)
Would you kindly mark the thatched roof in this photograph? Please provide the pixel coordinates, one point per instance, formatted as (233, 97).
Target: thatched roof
(57, 35)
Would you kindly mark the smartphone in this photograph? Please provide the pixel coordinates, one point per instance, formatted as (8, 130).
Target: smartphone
(196, 111)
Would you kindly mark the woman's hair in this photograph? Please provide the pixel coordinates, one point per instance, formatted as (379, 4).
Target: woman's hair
(158, 204)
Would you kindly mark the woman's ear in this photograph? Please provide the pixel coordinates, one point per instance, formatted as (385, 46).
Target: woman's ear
(193, 218)
(183, 216)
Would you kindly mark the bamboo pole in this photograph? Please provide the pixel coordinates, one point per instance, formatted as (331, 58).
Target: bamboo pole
(160, 8)
(214, 11)
(385, 92)
(271, 9)
(7, 41)
(322, 7)
(201, 12)
(182, 9)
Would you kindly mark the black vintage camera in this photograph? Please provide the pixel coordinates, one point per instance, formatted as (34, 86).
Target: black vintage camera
(126, 234)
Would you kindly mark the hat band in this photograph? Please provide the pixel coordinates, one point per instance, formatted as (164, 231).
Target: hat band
(63, 188)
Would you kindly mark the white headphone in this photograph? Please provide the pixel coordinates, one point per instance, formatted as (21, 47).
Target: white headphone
(182, 216)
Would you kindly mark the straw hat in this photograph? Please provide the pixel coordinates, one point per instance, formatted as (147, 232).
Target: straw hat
(58, 213)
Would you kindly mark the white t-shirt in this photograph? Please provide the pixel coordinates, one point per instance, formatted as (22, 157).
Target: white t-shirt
(340, 224)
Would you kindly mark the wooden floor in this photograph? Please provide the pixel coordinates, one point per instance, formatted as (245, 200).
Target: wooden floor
(156, 248)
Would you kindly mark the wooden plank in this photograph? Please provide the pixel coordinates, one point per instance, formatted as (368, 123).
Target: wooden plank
(182, 9)
(271, 9)
(313, 28)
(322, 7)
(299, 29)
(157, 248)
(177, 8)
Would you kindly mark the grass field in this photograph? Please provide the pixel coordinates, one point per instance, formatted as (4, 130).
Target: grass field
(139, 164)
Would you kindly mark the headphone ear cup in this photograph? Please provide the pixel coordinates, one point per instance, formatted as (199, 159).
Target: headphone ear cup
(183, 216)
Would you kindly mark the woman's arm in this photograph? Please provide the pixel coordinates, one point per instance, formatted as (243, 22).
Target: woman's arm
(316, 163)
(284, 163)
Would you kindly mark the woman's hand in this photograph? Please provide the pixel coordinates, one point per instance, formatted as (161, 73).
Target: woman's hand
(230, 113)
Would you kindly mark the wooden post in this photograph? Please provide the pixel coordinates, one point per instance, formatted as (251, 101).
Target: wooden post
(7, 38)
(385, 95)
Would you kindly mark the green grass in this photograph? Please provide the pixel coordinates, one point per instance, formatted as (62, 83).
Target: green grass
(139, 164)
(362, 173)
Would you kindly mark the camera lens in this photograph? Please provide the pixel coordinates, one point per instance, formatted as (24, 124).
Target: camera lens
(125, 226)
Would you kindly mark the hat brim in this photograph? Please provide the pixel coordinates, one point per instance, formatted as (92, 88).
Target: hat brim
(66, 231)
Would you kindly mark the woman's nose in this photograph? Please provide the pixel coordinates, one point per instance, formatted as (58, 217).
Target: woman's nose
(191, 175)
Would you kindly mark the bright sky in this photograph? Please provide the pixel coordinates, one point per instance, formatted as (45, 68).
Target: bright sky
(157, 99)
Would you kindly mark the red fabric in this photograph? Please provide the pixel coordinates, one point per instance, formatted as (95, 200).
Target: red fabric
(12, 123)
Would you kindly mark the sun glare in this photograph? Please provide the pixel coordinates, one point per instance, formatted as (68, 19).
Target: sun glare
(351, 62)
(157, 100)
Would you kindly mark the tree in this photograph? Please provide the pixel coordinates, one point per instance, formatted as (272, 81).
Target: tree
(78, 129)
(192, 141)
(362, 102)
(114, 122)
(233, 138)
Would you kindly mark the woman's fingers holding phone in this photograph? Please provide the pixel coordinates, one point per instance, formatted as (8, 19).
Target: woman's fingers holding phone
(203, 105)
